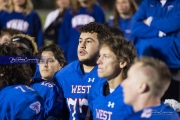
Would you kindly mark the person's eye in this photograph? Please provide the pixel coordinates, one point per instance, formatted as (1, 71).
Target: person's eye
(42, 61)
(89, 41)
(50, 61)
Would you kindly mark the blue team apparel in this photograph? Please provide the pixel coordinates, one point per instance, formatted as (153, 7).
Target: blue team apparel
(52, 95)
(125, 26)
(166, 19)
(161, 112)
(27, 24)
(76, 86)
(110, 107)
(69, 32)
(20, 102)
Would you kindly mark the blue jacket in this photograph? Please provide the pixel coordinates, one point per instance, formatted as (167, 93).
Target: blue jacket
(125, 26)
(52, 95)
(165, 19)
(29, 24)
(19, 102)
(69, 32)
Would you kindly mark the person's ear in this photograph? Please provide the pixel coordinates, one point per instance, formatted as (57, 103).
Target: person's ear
(122, 64)
(143, 87)
(61, 66)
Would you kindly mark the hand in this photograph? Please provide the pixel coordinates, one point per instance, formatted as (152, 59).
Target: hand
(148, 21)
(161, 34)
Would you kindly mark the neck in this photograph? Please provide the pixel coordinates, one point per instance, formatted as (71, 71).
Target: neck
(145, 102)
(48, 79)
(87, 68)
(18, 9)
(125, 16)
(83, 4)
(113, 83)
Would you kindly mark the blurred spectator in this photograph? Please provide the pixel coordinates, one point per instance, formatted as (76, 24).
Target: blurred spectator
(54, 20)
(156, 27)
(123, 12)
(6, 34)
(28, 46)
(81, 13)
(22, 17)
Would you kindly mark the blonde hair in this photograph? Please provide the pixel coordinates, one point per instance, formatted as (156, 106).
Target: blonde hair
(28, 6)
(160, 78)
(31, 39)
(76, 5)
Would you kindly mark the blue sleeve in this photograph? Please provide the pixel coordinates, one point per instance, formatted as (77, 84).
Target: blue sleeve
(64, 30)
(139, 28)
(101, 16)
(31, 109)
(38, 31)
(167, 24)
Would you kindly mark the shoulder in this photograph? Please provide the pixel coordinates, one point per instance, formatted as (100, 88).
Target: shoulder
(68, 69)
(97, 7)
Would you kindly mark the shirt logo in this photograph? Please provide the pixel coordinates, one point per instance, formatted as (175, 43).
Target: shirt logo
(82, 19)
(170, 7)
(91, 80)
(15, 39)
(146, 113)
(151, 5)
(111, 104)
(36, 106)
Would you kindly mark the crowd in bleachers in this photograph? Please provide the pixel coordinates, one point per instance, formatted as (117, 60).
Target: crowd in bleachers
(123, 68)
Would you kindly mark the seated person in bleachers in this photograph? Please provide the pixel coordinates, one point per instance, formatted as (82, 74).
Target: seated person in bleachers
(17, 100)
(51, 60)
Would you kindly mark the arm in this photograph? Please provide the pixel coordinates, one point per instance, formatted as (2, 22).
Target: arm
(38, 31)
(64, 31)
(139, 28)
(167, 24)
(31, 109)
(101, 16)
(54, 102)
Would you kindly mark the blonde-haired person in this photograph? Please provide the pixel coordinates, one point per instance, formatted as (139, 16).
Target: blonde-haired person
(147, 81)
(81, 13)
(28, 47)
(28, 42)
(22, 17)
(54, 20)
(122, 18)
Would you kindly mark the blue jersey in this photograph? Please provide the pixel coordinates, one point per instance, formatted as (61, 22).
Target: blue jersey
(110, 107)
(53, 97)
(69, 32)
(161, 112)
(76, 86)
(125, 26)
(165, 19)
(20, 102)
(27, 24)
